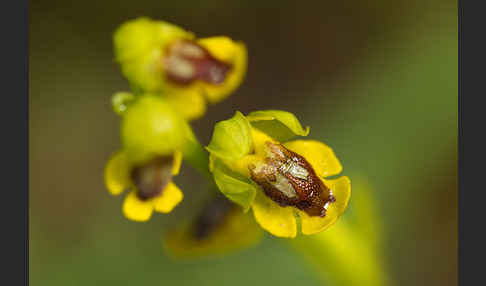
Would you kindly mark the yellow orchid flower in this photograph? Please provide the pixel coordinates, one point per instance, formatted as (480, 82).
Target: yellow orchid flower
(219, 228)
(150, 184)
(156, 56)
(255, 165)
(152, 138)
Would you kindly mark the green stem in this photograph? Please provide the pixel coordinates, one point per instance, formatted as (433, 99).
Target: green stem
(342, 256)
(195, 154)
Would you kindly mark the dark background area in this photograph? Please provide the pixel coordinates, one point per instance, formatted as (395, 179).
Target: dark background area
(376, 80)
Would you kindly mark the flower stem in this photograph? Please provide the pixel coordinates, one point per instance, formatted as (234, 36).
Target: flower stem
(195, 154)
(341, 256)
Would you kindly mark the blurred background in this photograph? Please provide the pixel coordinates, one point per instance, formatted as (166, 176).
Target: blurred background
(376, 80)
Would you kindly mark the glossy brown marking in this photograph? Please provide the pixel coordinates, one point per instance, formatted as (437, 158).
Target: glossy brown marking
(212, 216)
(187, 61)
(151, 178)
(311, 195)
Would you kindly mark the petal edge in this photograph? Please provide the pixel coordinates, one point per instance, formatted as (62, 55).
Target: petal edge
(117, 174)
(170, 198)
(279, 221)
(318, 154)
(341, 188)
(135, 209)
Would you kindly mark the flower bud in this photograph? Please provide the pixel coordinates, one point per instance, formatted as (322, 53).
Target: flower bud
(151, 126)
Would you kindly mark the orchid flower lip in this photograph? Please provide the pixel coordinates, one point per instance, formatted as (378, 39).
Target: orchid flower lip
(151, 178)
(289, 180)
(211, 217)
(186, 61)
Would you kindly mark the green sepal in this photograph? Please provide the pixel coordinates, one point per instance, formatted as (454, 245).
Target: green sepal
(139, 47)
(231, 138)
(278, 124)
(121, 100)
(233, 185)
(137, 37)
(150, 127)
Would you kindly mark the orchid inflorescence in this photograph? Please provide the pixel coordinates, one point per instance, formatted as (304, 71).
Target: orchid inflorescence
(253, 160)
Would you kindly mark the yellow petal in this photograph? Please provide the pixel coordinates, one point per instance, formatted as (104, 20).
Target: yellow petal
(136, 209)
(318, 154)
(171, 197)
(189, 103)
(259, 139)
(117, 177)
(279, 221)
(240, 166)
(176, 164)
(228, 51)
(341, 189)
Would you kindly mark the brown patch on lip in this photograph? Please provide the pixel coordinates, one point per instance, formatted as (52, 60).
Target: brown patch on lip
(212, 216)
(312, 195)
(187, 61)
(151, 178)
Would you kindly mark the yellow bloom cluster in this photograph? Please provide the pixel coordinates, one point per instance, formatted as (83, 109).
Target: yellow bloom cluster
(172, 74)
(253, 160)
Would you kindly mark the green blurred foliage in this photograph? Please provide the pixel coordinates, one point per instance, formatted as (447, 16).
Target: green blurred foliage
(375, 80)
(350, 252)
